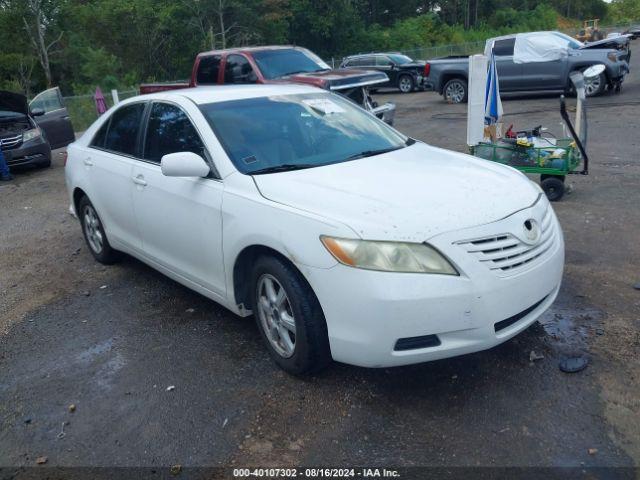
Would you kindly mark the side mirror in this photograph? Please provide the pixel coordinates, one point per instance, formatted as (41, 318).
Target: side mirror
(37, 112)
(184, 164)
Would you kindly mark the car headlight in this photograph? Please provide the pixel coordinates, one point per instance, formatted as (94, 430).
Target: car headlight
(31, 134)
(388, 256)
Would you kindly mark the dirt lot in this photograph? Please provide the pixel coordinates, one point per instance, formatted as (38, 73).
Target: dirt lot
(111, 340)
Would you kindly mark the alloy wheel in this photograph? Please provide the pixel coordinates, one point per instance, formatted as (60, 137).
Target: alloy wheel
(405, 84)
(92, 229)
(276, 315)
(593, 86)
(455, 92)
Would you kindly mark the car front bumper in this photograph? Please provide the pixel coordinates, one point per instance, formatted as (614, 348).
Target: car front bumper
(369, 312)
(32, 152)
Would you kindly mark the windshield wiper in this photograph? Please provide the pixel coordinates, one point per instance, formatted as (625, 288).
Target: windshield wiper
(371, 153)
(287, 167)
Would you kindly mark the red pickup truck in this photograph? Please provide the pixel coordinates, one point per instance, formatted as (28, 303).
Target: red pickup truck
(281, 64)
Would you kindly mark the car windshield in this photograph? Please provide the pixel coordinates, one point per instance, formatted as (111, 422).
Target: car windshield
(400, 59)
(287, 61)
(289, 132)
(571, 42)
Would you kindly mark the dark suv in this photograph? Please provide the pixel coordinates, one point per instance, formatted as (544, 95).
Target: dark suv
(403, 72)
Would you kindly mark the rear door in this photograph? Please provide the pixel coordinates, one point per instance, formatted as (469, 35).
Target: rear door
(179, 218)
(109, 162)
(55, 122)
(509, 72)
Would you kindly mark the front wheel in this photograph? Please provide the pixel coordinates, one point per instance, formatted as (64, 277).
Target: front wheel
(289, 317)
(406, 84)
(455, 91)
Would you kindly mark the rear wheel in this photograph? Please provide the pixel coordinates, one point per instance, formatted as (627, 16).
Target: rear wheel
(553, 187)
(94, 233)
(406, 84)
(289, 317)
(455, 90)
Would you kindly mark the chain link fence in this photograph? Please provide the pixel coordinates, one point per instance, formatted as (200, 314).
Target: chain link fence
(82, 108)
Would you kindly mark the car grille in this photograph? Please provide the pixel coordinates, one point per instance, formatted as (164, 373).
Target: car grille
(506, 254)
(11, 142)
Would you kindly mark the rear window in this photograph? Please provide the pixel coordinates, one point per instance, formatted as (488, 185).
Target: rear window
(504, 47)
(122, 136)
(208, 70)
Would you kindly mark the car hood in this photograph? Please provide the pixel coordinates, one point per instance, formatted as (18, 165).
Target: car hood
(409, 194)
(339, 79)
(13, 102)
(607, 43)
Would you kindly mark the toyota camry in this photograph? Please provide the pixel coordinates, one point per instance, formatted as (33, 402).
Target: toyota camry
(345, 239)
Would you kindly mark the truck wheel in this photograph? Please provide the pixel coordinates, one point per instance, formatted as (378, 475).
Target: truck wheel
(289, 317)
(455, 91)
(553, 187)
(596, 85)
(406, 84)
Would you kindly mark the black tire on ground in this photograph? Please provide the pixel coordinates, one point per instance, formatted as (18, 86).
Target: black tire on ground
(311, 350)
(104, 254)
(45, 164)
(553, 187)
(406, 83)
(456, 91)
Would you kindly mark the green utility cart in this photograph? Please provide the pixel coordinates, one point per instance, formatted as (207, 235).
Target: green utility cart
(553, 162)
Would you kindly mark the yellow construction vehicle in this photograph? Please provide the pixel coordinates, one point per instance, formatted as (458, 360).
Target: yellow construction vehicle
(590, 31)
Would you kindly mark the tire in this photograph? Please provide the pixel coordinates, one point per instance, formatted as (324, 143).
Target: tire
(93, 230)
(456, 91)
(596, 86)
(406, 83)
(593, 88)
(304, 348)
(553, 188)
(45, 164)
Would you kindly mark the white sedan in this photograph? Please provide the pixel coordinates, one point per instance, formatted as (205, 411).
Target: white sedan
(346, 239)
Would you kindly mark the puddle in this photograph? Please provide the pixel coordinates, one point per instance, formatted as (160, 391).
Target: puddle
(569, 328)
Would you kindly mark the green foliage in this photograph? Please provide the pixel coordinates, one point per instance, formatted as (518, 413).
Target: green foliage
(121, 43)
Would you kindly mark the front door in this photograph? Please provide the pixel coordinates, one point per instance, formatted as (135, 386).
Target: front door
(55, 122)
(180, 219)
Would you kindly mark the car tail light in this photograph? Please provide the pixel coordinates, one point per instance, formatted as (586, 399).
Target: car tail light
(427, 69)
(65, 155)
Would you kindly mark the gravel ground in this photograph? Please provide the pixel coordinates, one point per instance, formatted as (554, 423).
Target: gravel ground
(110, 340)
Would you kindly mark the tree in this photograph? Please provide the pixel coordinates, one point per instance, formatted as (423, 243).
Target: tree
(39, 21)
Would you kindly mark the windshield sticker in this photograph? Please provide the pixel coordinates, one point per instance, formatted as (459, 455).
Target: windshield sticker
(323, 105)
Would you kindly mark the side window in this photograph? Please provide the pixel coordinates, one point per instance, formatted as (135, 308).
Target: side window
(49, 100)
(208, 70)
(354, 62)
(368, 61)
(382, 61)
(101, 135)
(504, 47)
(238, 70)
(122, 135)
(169, 131)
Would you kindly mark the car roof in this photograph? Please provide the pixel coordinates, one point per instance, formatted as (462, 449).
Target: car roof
(222, 93)
(374, 53)
(249, 49)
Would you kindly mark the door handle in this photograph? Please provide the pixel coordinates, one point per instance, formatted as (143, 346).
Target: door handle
(87, 161)
(139, 180)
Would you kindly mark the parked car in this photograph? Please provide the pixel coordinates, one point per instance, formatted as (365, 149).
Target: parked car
(346, 239)
(633, 32)
(448, 76)
(404, 73)
(281, 64)
(28, 132)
